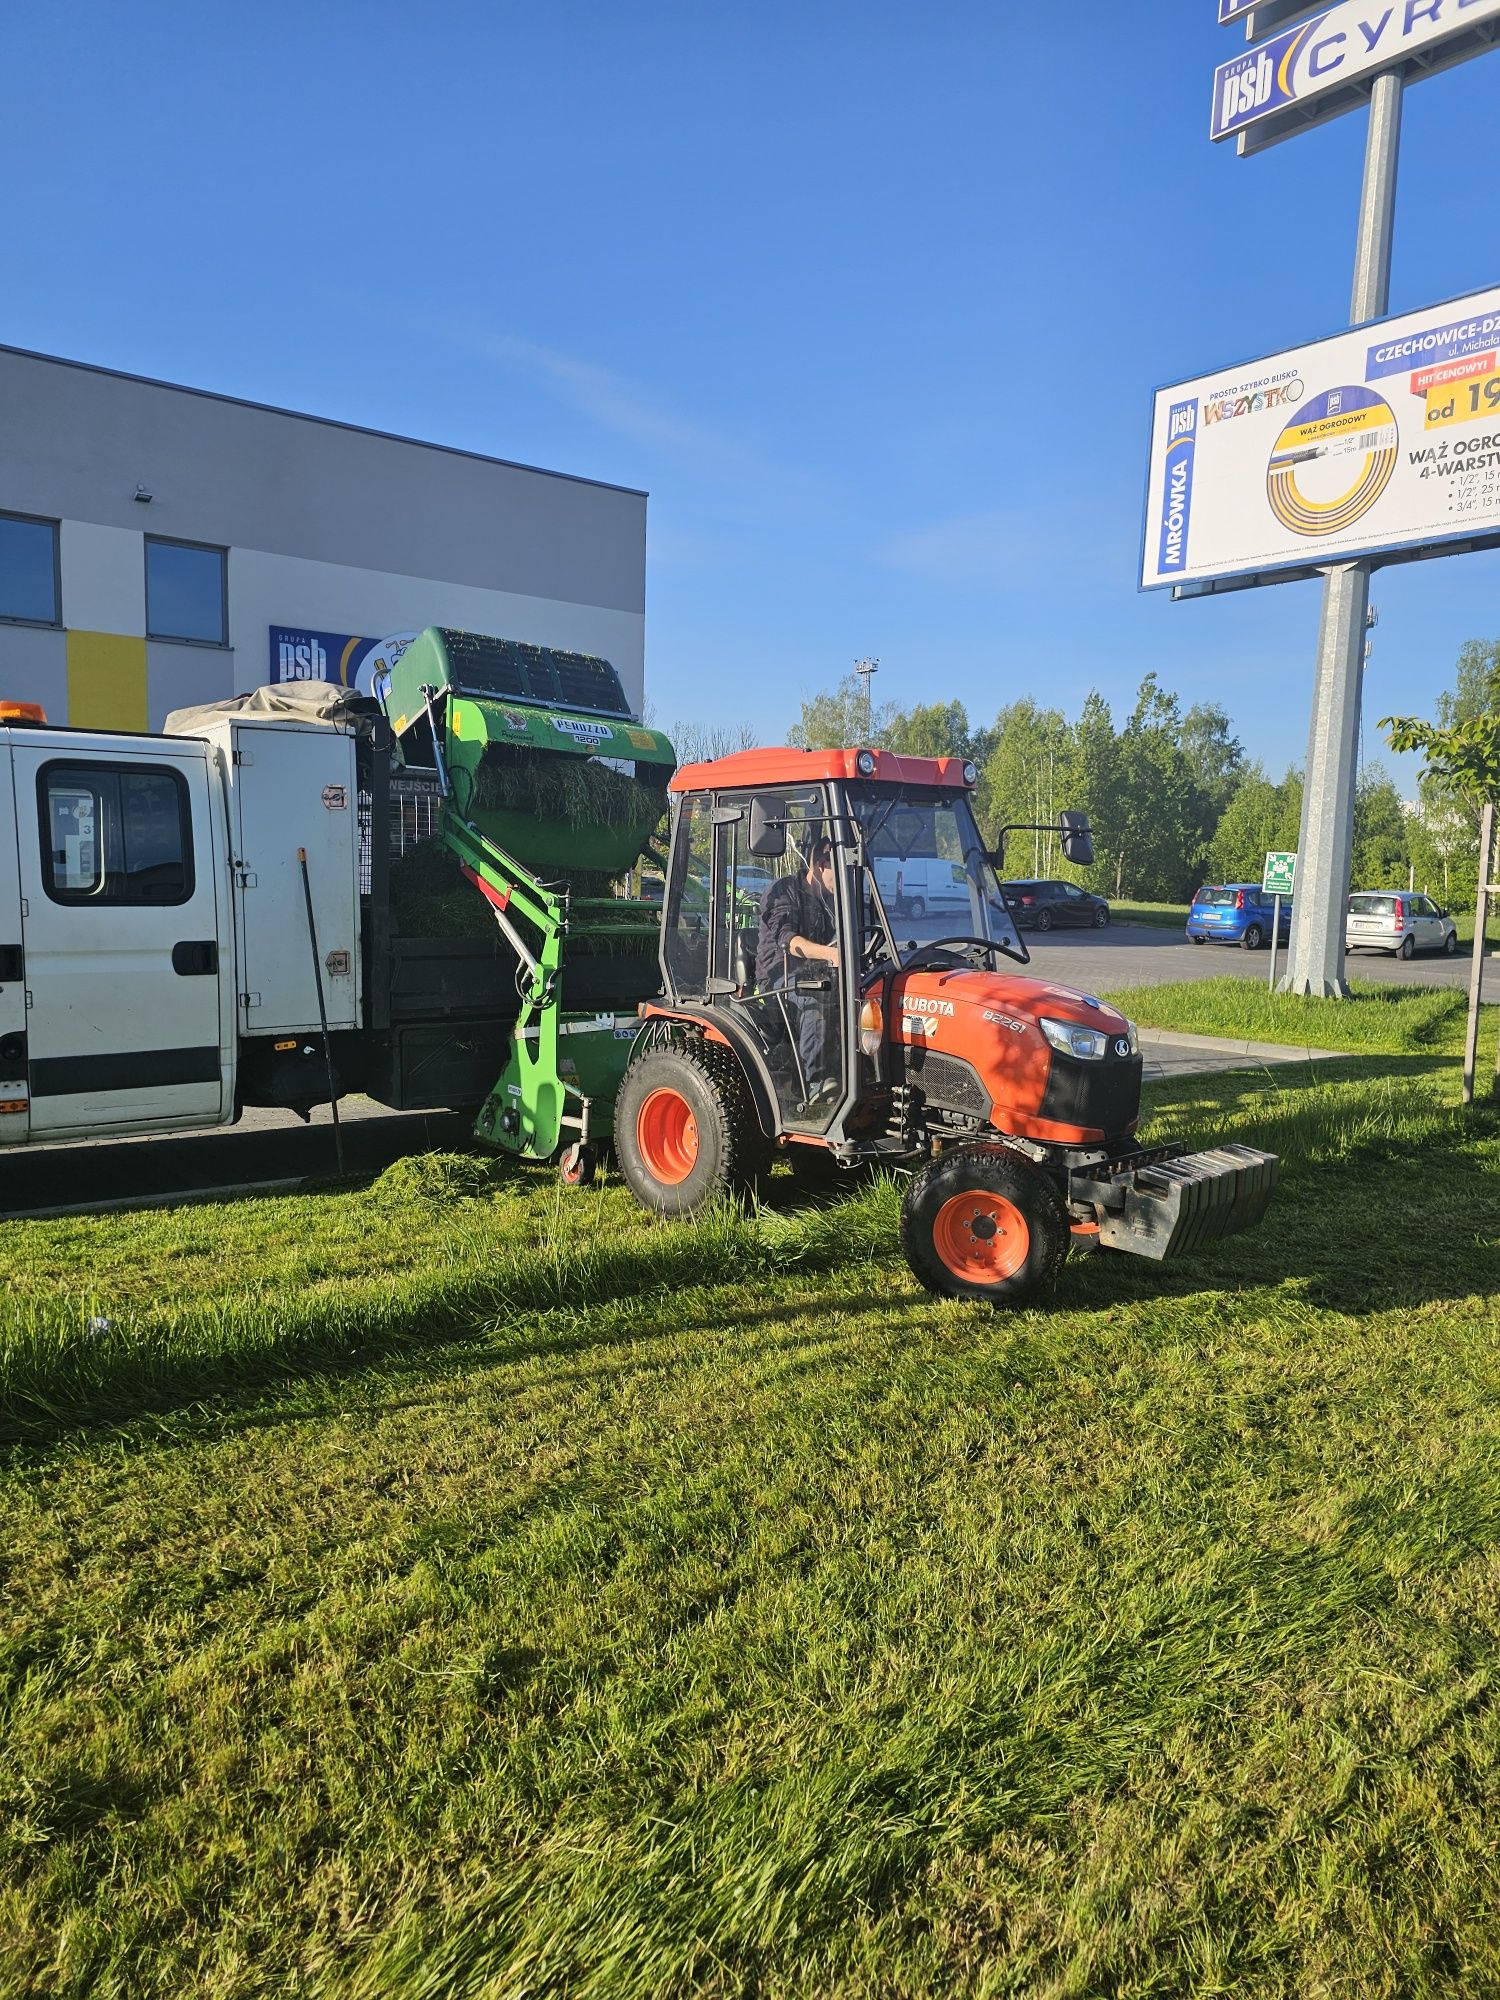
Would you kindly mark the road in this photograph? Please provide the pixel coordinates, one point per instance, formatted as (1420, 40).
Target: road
(1142, 955)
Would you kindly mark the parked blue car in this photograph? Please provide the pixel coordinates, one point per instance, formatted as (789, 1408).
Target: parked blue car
(1237, 913)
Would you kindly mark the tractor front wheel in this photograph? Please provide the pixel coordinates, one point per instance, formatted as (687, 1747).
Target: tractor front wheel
(979, 1223)
(686, 1133)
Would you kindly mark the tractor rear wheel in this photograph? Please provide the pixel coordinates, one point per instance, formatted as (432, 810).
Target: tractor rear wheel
(979, 1223)
(686, 1133)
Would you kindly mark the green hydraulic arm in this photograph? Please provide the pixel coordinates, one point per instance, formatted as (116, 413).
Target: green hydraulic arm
(522, 738)
(564, 1070)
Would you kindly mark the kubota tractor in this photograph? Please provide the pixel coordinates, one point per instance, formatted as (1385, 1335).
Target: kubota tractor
(808, 1009)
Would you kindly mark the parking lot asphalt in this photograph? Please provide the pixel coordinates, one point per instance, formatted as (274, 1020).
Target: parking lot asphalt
(1142, 955)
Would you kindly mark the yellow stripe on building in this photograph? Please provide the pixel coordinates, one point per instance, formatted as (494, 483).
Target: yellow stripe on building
(106, 681)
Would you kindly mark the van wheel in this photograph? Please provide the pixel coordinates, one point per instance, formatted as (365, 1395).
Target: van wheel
(916, 909)
(686, 1133)
(1408, 946)
(1251, 941)
(979, 1223)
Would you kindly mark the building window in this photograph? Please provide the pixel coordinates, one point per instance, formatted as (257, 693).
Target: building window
(186, 592)
(29, 590)
(116, 834)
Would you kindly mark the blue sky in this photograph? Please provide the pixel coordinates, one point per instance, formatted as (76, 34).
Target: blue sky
(870, 298)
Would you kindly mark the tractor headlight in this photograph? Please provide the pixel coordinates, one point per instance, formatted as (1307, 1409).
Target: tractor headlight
(864, 763)
(971, 774)
(871, 1027)
(1069, 1039)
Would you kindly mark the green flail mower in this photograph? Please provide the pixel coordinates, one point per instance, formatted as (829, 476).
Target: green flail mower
(552, 795)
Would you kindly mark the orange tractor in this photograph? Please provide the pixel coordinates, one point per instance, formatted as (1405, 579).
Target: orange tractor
(834, 950)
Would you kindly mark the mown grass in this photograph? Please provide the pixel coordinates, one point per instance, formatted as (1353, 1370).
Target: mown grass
(710, 1611)
(1376, 1019)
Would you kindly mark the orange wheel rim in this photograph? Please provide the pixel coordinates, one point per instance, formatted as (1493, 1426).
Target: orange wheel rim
(666, 1134)
(981, 1237)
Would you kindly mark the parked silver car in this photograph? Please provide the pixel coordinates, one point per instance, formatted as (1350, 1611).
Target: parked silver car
(1398, 920)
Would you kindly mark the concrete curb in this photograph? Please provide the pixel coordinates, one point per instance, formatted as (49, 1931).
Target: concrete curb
(1213, 1045)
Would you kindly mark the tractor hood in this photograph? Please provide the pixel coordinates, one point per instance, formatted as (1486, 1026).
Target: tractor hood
(973, 1041)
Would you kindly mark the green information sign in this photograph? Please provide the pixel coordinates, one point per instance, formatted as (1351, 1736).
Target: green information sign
(1281, 872)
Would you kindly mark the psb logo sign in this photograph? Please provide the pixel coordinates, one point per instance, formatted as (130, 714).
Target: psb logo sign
(1177, 488)
(299, 656)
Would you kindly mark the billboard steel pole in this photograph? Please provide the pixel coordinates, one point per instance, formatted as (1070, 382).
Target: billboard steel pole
(1315, 960)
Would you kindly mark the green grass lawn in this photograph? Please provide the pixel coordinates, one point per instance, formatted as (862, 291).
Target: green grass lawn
(456, 1587)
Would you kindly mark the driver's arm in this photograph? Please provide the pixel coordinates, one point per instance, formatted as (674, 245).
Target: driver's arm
(801, 947)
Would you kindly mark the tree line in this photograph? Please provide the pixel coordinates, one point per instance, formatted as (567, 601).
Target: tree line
(1172, 797)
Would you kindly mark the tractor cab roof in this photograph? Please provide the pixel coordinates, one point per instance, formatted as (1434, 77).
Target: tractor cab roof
(751, 769)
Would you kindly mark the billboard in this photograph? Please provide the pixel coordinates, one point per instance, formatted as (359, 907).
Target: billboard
(1268, 13)
(1309, 69)
(1372, 442)
(300, 654)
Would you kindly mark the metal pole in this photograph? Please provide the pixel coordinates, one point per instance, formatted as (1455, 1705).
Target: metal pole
(1275, 941)
(1476, 970)
(312, 938)
(1315, 962)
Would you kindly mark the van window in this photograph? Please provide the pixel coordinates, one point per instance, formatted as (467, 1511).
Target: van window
(116, 834)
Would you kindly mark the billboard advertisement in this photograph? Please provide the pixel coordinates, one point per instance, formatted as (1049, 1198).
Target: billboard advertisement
(1312, 65)
(300, 654)
(1271, 13)
(1379, 440)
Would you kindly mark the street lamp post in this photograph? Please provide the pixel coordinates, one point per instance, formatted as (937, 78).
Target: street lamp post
(865, 668)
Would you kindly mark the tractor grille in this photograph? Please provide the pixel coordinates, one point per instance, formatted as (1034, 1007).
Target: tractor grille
(948, 1082)
(1094, 1096)
(484, 666)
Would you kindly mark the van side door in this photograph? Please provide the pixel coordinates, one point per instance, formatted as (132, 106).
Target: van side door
(125, 888)
(14, 1093)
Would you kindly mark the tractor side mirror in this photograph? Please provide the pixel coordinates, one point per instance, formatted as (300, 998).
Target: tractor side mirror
(1077, 838)
(768, 817)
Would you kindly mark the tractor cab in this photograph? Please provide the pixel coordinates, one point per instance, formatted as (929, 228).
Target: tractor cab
(798, 882)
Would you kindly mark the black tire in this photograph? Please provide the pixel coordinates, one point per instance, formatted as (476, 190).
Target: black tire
(728, 1152)
(1043, 920)
(578, 1166)
(1198, 940)
(948, 1244)
(1450, 944)
(1408, 946)
(916, 909)
(1251, 941)
(1101, 918)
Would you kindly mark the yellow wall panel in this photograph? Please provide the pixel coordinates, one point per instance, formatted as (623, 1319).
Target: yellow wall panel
(106, 681)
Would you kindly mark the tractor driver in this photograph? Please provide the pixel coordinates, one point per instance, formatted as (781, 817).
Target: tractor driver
(797, 924)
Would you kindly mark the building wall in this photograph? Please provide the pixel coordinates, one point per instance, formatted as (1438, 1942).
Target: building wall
(326, 526)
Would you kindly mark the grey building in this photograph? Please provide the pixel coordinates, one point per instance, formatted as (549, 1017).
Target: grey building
(161, 546)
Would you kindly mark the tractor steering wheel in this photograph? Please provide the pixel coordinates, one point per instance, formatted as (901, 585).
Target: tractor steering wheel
(936, 957)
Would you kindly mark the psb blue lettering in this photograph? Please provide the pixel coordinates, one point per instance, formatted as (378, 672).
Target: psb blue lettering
(1247, 88)
(1177, 489)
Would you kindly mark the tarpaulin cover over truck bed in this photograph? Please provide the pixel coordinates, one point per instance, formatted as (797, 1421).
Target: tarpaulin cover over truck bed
(322, 702)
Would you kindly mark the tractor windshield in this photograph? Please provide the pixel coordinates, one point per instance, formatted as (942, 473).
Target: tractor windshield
(934, 877)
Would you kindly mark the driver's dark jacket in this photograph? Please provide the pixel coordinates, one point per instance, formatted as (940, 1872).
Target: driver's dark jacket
(792, 907)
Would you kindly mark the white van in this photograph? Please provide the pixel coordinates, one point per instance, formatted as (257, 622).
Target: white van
(922, 883)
